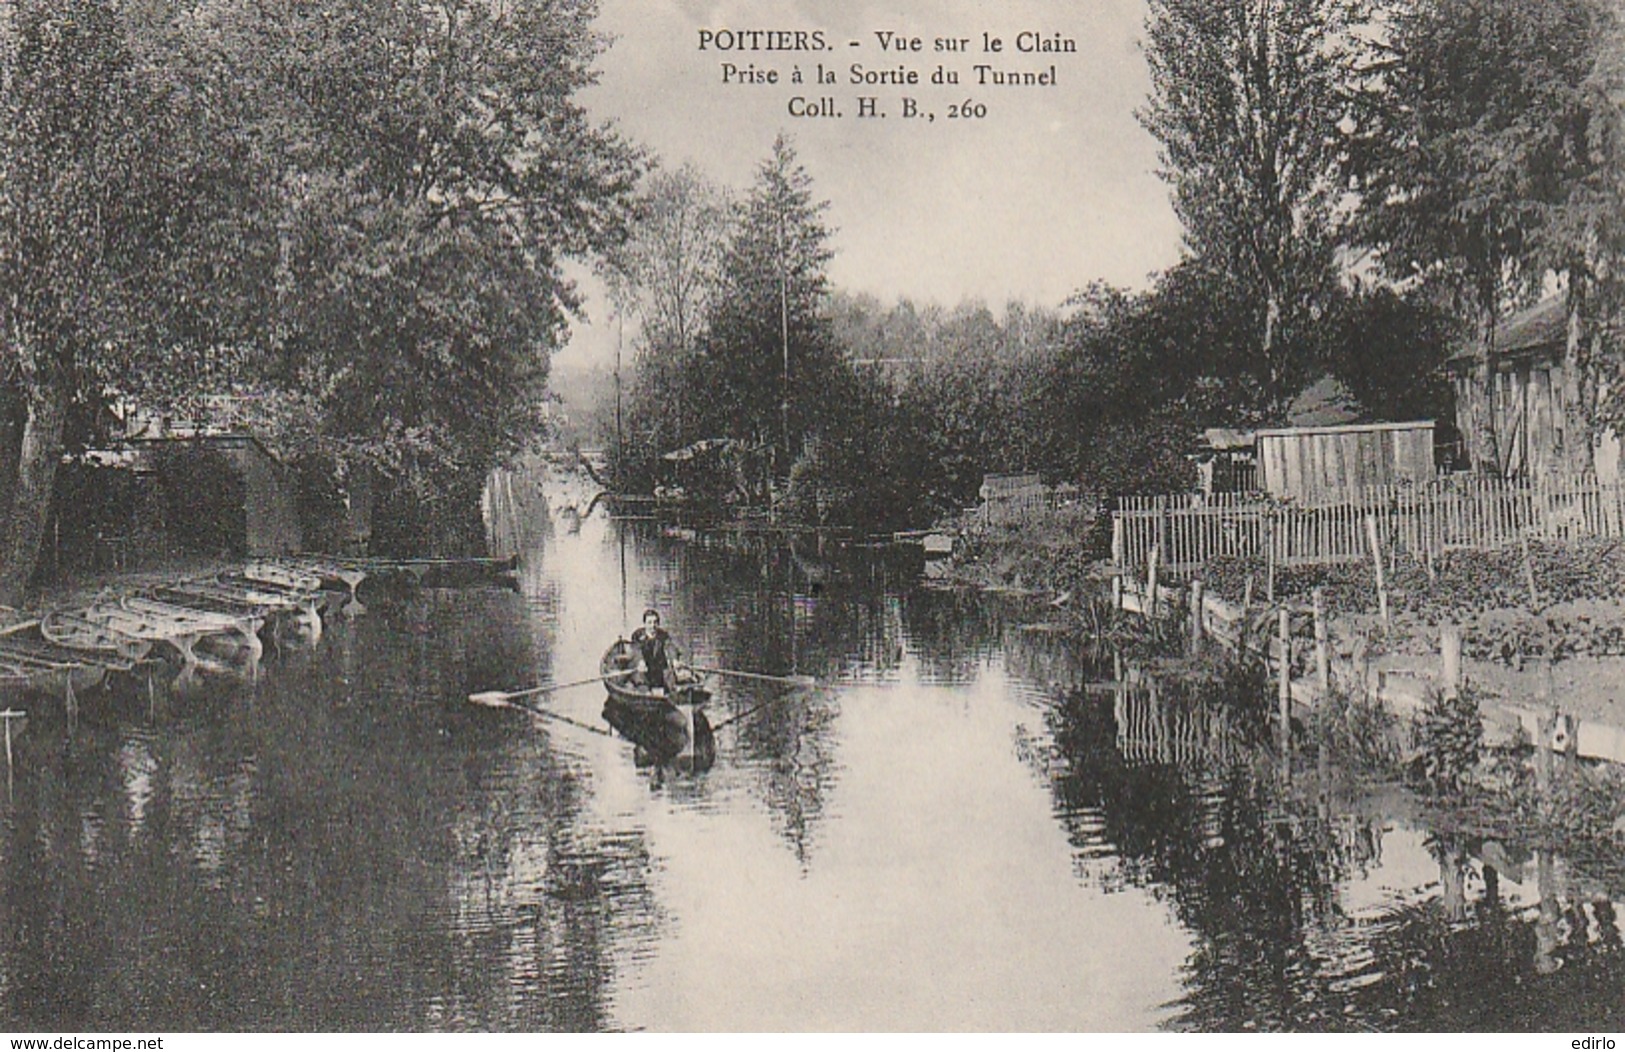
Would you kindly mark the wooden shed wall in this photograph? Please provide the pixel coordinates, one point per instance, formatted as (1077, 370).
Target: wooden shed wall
(271, 514)
(1533, 424)
(1327, 465)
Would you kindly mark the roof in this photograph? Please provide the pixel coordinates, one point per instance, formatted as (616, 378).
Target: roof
(1324, 403)
(1529, 331)
(1226, 439)
(1404, 425)
(211, 438)
(994, 486)
(694, 449)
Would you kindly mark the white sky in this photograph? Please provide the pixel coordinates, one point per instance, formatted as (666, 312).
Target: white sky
(1054, 188)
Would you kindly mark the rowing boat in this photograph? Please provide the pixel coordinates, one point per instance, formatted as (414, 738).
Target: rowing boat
(105, 643)
(666, 728)
(623, 655)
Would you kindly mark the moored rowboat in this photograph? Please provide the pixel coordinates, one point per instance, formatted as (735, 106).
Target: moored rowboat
(76, 632)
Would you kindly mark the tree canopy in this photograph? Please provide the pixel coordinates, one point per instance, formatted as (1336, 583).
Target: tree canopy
(1246, 97)
(119, 202)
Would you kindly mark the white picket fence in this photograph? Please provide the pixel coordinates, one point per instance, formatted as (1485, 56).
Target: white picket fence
(1451, 513)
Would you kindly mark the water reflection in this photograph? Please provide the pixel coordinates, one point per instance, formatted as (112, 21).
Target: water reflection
(340, 846)
(1317, 913)
(975, 822)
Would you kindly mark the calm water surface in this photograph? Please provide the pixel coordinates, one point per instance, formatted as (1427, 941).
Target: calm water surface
(948, 834)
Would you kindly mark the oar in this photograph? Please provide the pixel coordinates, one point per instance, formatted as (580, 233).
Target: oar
(502, 698)
(794, 681)
(496, 699)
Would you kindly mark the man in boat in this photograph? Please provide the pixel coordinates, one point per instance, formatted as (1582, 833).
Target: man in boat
(658, 652)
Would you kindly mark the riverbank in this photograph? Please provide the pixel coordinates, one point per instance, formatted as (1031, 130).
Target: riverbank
(1568, 643)
(79, 589)
(1542, 633)
(1045, 554)
(1561, 643)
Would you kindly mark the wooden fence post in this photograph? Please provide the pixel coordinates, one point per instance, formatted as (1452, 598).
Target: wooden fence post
(1529, 573)
(1284, 627)
(7, 716)
(1196, 615)
(1269, 555)
(1162, 524)
(1376, 561)
(1151, 582)
(1246, 617)
(1323, 657)
(1362, 666)
(1450, 656)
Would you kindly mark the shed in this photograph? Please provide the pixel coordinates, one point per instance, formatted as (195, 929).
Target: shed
(1226, 461)
(270, 506)
(1011, 487)
(1331, 464)
(1518, 417)
(1015, 498)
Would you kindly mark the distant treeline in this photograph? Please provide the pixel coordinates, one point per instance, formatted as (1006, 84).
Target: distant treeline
(1364, 189)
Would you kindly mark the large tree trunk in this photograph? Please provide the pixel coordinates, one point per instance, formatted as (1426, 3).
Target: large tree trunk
(1579, 386)
(37, 460)
(11, 439)
(1278, 397)
(1486, 455)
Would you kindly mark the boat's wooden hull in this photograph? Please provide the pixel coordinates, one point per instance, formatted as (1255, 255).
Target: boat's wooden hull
(664, 733)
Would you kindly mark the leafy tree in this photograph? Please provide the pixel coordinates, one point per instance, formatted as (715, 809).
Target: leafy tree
(1590, 227)
(435, 169)
(666, 276)
(1245, 100)
(118, 193)
(1483, 154)
(1388, 349)
(666, 272)
(770, 361)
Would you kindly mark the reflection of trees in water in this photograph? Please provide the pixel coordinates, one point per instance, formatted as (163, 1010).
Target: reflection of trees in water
(951, 633)
(788, 744)
(759, 602)
(349, 847)
(1253, 873)
(1434, 964)
(1055, 662)
(515, 506)
(544, 902)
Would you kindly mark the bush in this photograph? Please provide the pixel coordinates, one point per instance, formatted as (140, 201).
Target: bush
(1364, 734)
(1449, 732)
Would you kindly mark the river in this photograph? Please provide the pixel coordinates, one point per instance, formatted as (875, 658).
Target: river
(948, 833)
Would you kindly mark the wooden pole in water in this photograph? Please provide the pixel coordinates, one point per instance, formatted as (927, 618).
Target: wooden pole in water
(1323, 656)
(1151, 583)
(1450, 657)
(1196, 614)
(1284, 633)
(1376, 562)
